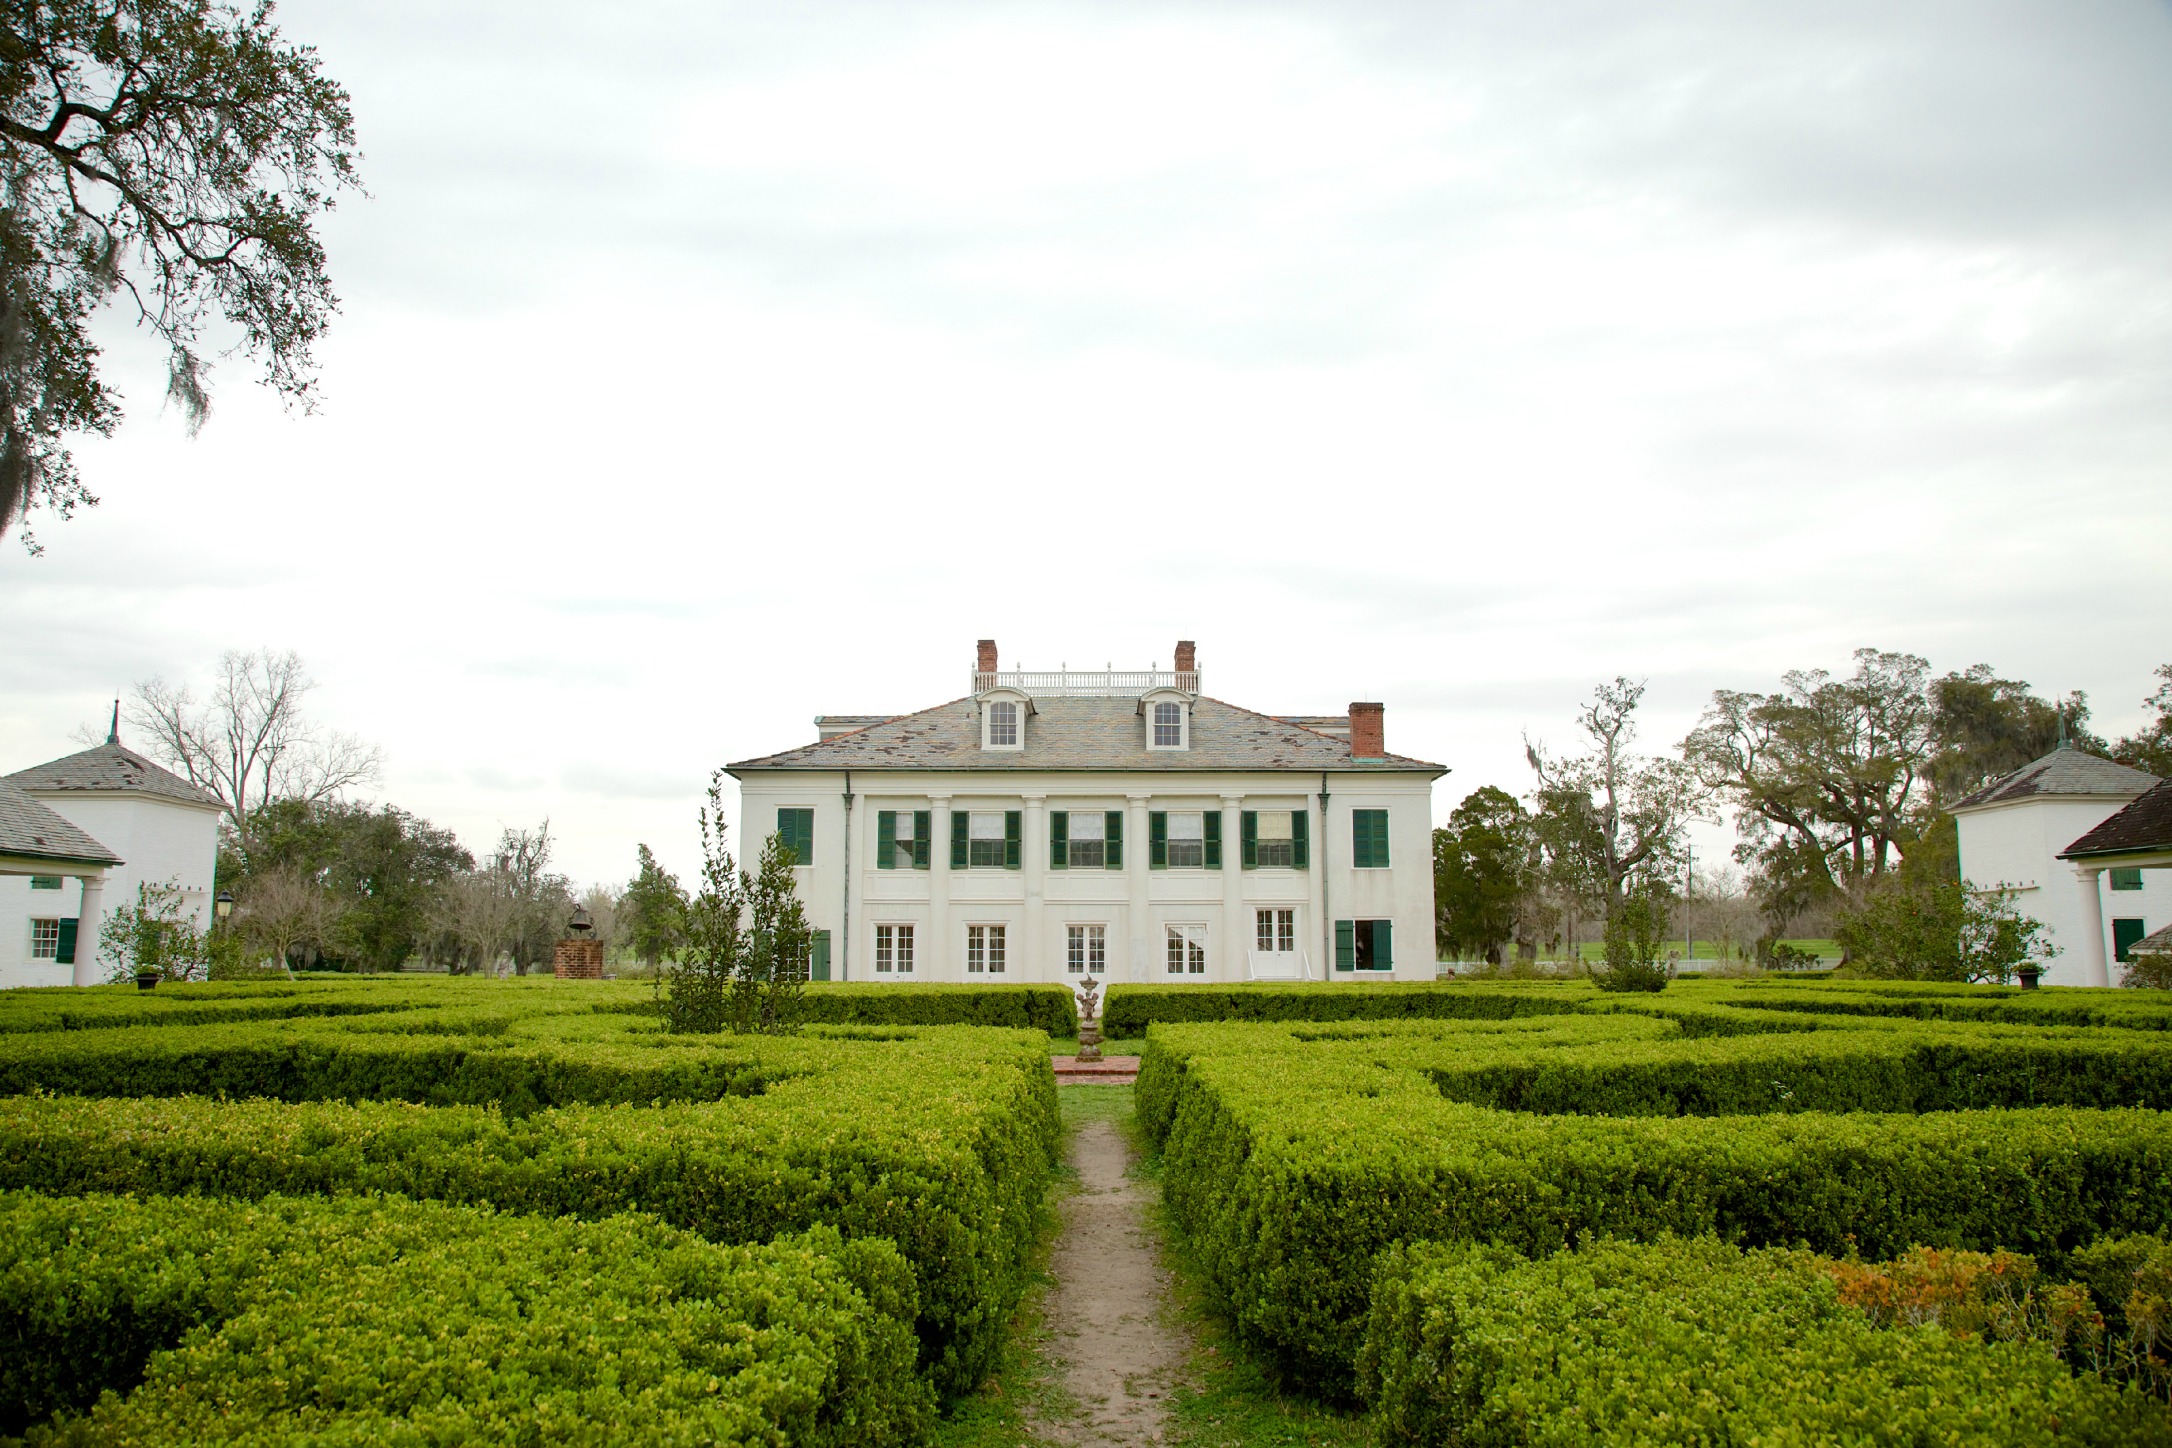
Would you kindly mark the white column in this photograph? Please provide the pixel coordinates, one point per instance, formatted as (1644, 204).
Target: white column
(1322, 948)
(939, 960)
(1032, 962)
(1139, 916)
(1236, 949)
(89, 916)
(2095, 969)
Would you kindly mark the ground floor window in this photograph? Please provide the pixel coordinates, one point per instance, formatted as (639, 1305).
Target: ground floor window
(1089, 949)
(45, 939)
(2124, 935)
(1187, 946)
(984, 950)
(1364, 944)
(1277, 931)
(893, 950)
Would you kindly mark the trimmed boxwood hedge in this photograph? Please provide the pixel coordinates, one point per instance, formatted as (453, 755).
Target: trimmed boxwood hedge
(1292, 1156)
(1132, 1008)
(1696, 1342)
(162, 1321)
(940, 1139)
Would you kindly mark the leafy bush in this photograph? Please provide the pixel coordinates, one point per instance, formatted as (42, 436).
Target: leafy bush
(1132, 1008)
(1696, 1342)
(1942, 930)
(1292, 1156)
(179, 1321)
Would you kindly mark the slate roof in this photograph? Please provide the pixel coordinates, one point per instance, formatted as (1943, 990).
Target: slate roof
(1084, 733)
(2157, 942)
(2144, 825)
(29, 828)
(2063, 771)
(110, 767)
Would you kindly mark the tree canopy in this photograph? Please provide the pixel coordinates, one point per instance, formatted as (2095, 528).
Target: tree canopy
(175, 152)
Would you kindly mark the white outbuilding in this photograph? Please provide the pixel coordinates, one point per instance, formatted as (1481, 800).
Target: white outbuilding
(2015, 835)
(126, 822)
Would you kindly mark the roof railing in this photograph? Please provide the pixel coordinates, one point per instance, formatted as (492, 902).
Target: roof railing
(1069, 683)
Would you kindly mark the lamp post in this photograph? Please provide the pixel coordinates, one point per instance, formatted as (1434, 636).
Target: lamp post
(223, 905)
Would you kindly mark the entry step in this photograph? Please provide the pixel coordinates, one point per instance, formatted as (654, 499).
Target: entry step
(1117, 1070)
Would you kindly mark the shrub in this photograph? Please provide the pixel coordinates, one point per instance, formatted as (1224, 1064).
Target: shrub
(1695, 1342)
(180, 1321)
(1132, 1008)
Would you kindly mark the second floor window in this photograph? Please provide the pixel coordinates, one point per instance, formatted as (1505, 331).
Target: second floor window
(984, 950)
(1089, 949)
(991, 840)
(1002, 725)
(1084, 844)
(796, 826)
(901, 839)
(1168, 725)
(2126, 877)
(1184, 839)
(1369, 839)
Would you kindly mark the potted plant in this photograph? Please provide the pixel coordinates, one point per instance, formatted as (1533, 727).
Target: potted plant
(2028, 972)
(146, 978)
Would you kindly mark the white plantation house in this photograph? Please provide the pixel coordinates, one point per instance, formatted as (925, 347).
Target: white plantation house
(1053, 826)
(2070, 835)
(77, 835)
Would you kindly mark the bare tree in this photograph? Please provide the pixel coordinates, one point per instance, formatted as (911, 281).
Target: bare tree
(478, 912)
(282, 909)
(250, 743)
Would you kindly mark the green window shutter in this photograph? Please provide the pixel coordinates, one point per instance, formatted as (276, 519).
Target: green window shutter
(68, 928)
(1112, 846)
(1014, 824)
(923, 822)
(1059, 839)
(961, 829)
(1300, 843)
(1369, 839)
(1248, 844)
(820, 957)
(1380, 839)
(1157, 840)
(1346, 945)
(1383, 944)
(797, 827)
(2126, 877)
(886, 839)
(1211, 829)
(2125, 935)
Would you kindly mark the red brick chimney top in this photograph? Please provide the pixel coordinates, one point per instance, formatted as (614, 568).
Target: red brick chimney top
(1368, 731)
(1187, 657)
(987, 664)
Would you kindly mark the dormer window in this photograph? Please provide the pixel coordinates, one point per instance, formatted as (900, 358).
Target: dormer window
(1168, 715)
(1003, 719)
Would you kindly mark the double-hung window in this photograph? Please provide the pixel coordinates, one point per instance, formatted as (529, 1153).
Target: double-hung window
(796, 826)
(1168, 725)
(1364, 944)
(991, 840)
(1277, 932)
(1184, 839)
(893, 950)
(45, 939)
(1271, 839)
(1089, 949)
(1084, 842)
(984, 950)
(1369, 839)
(1002, 724)
(901, 839)
(1187, 949)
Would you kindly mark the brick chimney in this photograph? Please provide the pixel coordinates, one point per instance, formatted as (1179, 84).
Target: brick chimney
(1368, 732)
(987, 664)
(1187, 657)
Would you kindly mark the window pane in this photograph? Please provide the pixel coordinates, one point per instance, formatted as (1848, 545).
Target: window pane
(1286, 927)
(1076, 955)
(1273, 854)
(1002, 723)
(1086, 854)
(1097, 948)
(987, 824)
(1273, 824)
(1187, 825)
(905, 950)
(995, 950)
(1168, 726)
(1087, 824)
(1266, 930)
(904, 826)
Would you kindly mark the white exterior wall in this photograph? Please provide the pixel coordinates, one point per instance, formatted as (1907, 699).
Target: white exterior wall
(1135, 904)
(2017, 845)
(158, 840)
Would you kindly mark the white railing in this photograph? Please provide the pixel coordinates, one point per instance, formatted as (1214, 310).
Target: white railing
(1087, 684)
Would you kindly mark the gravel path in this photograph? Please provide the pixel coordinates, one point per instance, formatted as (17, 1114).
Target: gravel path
(1105, 1314)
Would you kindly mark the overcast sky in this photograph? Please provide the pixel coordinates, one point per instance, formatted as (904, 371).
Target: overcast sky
(703, 368)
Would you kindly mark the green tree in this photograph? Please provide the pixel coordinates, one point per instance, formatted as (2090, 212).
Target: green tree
(2150, 748)
(381, 871)
(747, 946)
(1610, 818)
(178, 152)
(157, 934)
(1635, 934)
(1984, 728)
(1482, 861)
(1940, 931)
(652, 912)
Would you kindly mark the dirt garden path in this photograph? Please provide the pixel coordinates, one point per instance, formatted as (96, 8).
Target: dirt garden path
(1116, 1356)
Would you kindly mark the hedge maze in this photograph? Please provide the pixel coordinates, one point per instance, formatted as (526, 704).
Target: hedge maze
(430, 1211)
(1544, 1215)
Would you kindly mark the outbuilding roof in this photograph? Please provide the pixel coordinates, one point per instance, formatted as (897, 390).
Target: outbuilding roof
(30, 828)
(2064, 771)
(2157, 942)
(110, 768)
(1084, 733)
(2145, 824)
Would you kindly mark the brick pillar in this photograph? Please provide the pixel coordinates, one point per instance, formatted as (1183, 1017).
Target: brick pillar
(578, 960)
(1368, 731)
